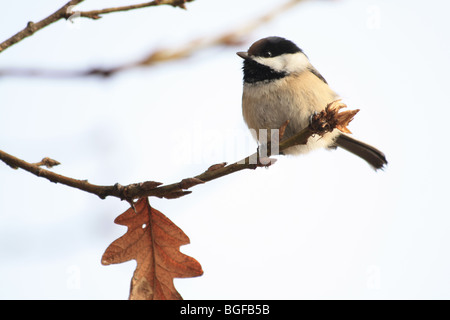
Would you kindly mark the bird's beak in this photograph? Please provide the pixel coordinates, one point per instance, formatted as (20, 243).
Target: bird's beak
(243, 55)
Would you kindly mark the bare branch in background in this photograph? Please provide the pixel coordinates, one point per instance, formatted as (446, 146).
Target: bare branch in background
(66, 12)
(230, 38)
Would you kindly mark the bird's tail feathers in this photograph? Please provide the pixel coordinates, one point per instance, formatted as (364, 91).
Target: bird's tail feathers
(372, 155)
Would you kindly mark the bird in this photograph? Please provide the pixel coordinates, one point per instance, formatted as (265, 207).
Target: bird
(280, 85)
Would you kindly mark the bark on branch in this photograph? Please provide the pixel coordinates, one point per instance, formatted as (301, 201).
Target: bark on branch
(65, 12)
(32, 27)
(321, 123)
(229, 38)
(96, 14)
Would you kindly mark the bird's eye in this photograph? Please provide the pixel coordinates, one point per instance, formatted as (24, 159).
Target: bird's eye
(267, 54)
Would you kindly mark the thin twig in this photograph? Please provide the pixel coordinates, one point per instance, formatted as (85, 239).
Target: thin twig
(321, 123)
(96, 14)
(230, 38)
(32, 27)
(65, 12)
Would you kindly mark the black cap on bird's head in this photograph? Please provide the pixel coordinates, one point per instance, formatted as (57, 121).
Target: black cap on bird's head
(272, 58)
(270, 47)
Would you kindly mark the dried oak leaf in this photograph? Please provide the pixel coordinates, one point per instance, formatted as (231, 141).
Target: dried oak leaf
(330, 118)
(342, 118)
(154, 242)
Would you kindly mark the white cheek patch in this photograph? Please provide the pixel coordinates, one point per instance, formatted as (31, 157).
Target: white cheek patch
(288, 62)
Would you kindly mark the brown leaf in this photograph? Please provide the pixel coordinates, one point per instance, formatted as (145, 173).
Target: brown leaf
(154, 242)
(330, 118)
(342, 118)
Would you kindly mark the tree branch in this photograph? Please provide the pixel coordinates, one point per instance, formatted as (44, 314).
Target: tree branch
(32, 27)
(321, 123)
(96, 14)
(65, 13)
(230, 38)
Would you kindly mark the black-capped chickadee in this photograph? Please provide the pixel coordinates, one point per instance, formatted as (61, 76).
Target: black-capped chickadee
(280, 84)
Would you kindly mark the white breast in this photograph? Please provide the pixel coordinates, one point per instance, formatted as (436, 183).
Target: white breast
(267, 105)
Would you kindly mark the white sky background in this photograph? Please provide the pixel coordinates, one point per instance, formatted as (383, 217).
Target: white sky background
(320, 226)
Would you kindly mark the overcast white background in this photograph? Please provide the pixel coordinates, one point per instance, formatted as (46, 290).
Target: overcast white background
(320, 226)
